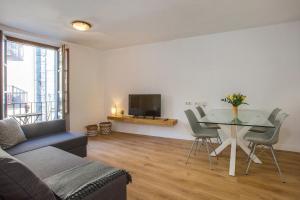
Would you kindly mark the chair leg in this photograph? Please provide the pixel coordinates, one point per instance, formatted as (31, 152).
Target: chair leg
(277, 165)
(201, 143)
(210, 144)
(219, 139)
(249, 145)
(261, 150)
(250, 160)
(197, 143)
(190, 151)
(207, 148)
(251, 148)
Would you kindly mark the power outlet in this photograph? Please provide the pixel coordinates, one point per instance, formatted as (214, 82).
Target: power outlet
(203, 104)
(188, 103)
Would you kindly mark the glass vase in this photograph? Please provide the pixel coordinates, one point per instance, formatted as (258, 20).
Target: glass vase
(235, 112)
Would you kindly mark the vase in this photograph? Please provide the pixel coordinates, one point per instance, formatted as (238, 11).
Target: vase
(235, 112)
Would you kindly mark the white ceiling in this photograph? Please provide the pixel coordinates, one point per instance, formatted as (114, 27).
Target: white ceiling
(119, 23)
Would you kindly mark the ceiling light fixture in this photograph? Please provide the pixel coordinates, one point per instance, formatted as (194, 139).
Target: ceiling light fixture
(81, 25)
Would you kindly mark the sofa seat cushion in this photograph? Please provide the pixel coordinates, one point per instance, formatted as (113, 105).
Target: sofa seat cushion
(64, 141)
(48, 161)
(17, 181)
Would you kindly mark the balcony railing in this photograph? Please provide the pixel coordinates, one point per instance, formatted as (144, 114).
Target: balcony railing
(32, 112)
(16, 95)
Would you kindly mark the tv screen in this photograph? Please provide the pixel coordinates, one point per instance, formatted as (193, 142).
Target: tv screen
(145, 105)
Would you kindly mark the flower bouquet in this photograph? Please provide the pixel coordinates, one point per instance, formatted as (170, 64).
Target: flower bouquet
(236, 99)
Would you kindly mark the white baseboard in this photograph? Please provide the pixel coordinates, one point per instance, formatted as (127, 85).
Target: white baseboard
(178, 137)
(284, 147)
(288, 147)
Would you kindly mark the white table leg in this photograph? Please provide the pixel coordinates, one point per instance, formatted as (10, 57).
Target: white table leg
(234, 139)
(232, 157)
(225, 143)
(220, 148)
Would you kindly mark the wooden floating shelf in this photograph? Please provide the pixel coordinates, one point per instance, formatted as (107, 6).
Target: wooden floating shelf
(147, 121)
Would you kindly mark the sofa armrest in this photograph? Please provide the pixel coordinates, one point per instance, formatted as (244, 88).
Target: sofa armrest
(44, 128)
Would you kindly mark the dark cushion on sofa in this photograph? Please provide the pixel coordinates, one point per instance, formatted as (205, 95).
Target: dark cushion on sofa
(48, 161)
(17, 182)
(65, 141)
(44, 128)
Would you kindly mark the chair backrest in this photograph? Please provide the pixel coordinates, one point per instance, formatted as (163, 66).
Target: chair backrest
(196, 127)
(273, 115)
(200, 111)
(278, 122)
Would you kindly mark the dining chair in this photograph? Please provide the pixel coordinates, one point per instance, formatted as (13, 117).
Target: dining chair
(271, 118)
(199, 132)
(201, 111)
(268, 139)
(207, 125)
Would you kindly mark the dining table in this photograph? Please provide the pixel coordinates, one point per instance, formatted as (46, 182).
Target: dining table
(234, 128)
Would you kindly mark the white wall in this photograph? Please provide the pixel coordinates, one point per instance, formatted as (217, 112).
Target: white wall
(263, 63)
(86, 88)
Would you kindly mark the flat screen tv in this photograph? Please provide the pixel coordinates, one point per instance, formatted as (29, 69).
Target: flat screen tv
(145, 105)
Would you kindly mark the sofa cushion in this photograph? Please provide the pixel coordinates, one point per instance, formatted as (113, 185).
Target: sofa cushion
(10, 133)
(64, 141)
(18, 182)
(48, 161)
(44, 128)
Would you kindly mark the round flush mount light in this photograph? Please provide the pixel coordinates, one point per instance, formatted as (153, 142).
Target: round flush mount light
(81, 25)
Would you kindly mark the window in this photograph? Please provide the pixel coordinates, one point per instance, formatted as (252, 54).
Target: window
(33, 78)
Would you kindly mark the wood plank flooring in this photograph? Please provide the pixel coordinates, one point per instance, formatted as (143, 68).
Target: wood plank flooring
(158, 168)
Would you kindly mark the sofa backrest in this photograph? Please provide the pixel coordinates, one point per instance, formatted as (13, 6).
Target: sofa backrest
(17, 181)
(44, 128)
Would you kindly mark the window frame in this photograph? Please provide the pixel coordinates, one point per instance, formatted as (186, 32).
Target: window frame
(4, 38)
(2, 51)
(31, 43)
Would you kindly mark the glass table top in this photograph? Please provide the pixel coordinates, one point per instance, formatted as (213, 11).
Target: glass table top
(245, 117)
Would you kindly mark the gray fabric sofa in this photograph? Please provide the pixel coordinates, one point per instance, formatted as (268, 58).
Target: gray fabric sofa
(51, 152)
(51, 133)
(49, 161)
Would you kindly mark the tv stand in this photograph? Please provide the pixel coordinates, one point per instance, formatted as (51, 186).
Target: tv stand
(143, 120)
(143, 117)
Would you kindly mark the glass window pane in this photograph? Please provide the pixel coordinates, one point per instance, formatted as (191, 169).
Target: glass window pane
(32, 83)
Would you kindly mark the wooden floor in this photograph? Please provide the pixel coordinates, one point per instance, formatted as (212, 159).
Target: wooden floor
(158, 168)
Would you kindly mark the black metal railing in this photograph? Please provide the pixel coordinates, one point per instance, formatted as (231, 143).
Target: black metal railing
(31, 112)
(15, 94)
